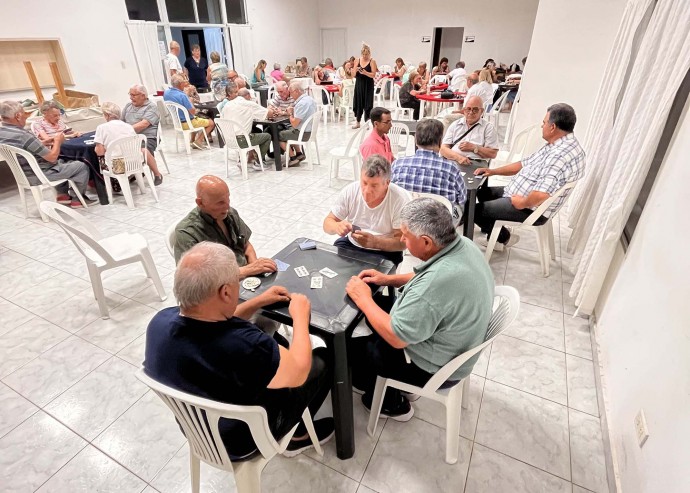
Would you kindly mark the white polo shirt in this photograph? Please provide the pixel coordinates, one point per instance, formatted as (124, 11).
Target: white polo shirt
(243, 113)
(172, 63)
(483, 135)
(482, 89)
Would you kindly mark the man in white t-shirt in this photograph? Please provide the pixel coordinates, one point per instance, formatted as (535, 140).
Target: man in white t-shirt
(242, 111)
(366, 214)
(114, 128)
(172, 63)
(457, 74)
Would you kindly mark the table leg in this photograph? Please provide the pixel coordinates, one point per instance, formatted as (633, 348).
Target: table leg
(341, 396)
(421, 109)
(276, 148)
(468, 225)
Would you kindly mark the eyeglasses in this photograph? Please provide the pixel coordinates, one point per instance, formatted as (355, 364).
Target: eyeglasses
(473, 110)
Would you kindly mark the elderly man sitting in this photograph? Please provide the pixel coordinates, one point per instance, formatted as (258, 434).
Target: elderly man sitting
(366, 214)
(214, 220)
(12, 133)
(429, 172)
(114, 128)
(304, 107)
(206, 347)
(470, 137)
(282, 100)
(442, 310)
(537, 177)
(142, 115)
(177, 95)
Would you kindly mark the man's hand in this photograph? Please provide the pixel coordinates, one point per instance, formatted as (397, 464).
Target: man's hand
(58, 138)
(460, 159)
(290, 110)
(343, 227)
(367, 240)
(372, 276)
(300, 308)
(260, 266)
(467, 146)
(357, 289)
(483, 171)
(274, 294)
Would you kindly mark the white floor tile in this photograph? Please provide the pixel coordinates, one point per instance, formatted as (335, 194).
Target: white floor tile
(13, 409)
(588, 463)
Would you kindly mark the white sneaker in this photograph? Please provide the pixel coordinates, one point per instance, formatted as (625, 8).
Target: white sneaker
(257, 166)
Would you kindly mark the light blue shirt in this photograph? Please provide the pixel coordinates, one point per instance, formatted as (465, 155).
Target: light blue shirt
(305, 106)
(176, 96)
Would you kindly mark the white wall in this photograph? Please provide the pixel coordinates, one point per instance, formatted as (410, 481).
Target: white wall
(567, 57)
(644, 329)
(94, 39)
(502, 28)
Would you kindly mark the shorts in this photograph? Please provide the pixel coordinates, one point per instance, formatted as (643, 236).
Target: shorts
(196, 123)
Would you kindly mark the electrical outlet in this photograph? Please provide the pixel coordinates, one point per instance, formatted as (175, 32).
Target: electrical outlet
(641, 429)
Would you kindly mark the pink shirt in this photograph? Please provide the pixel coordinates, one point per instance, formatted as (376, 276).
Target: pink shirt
(376, 144)
(277, 75)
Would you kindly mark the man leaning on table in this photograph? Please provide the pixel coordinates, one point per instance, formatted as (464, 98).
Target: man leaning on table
(470, 137)
(442, 309)
(536, 177)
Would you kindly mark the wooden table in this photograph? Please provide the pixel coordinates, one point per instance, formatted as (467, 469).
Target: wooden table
(333, 315)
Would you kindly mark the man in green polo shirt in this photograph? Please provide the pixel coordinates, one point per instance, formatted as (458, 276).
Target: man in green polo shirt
(442, 309)
(214, 220)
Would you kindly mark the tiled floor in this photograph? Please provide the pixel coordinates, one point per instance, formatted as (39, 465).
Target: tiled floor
(73, 417)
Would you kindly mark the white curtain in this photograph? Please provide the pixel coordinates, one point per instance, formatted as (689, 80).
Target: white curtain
(144, 39)
(214, 42)
(621, 145)
(242, 51)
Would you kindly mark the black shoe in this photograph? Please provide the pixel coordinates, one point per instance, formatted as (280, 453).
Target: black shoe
(325, 429)
(271, 155)
(401, 411)
(157, 180)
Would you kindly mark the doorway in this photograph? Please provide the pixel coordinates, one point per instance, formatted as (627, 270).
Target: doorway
(447, 43)
(193, 37)
(334, 45)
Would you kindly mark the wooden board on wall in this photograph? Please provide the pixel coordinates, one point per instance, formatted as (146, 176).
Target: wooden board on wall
(40, 52)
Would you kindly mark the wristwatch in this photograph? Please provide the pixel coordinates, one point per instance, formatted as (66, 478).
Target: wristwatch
(476, 149)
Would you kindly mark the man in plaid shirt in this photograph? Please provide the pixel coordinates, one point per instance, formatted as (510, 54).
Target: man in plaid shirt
(428, 172)
(537, 177)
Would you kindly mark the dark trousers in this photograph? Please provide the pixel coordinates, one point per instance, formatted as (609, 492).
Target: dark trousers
(493, 206)
(344, 242)
(415, 107)
(360, 111)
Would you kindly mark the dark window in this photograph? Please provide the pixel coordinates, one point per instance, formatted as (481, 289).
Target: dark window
(143, 10)
(235, 11)
(209, 11)
(180, 10)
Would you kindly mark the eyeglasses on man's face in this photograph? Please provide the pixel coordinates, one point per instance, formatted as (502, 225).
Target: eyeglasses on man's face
(473, 110)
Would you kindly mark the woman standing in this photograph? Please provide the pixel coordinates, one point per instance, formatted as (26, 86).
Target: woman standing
(365, 70)
(259, 76)
(217, 75)
(195, 68)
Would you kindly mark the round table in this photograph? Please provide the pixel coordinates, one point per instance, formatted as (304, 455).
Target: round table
(76, 149)
(331, 87)
(436, 98)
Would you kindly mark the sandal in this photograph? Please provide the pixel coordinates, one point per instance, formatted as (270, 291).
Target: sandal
(355, 126)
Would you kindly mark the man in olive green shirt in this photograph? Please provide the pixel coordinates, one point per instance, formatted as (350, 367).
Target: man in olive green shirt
(442, 310)
(214, 220)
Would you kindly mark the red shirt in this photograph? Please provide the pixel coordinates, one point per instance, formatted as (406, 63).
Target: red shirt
(376, 144)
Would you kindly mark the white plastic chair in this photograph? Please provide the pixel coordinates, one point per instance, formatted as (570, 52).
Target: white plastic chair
(177, 125)
(519, 147)
(103, 253)
(460, 85)
(230, 133)
(506, 306)
(317, 93)
(398, 133)
(130, 149)
(494, 115)
(345, 103)
(307, 143)
(159, 149)
(438, 79)
(399, 110)
(438, 198)
(199, 419)
(10, 155)
(379, 89)
(544, 232)
(348, 153)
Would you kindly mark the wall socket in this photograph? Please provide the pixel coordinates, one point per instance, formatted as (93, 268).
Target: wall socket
(641, 429)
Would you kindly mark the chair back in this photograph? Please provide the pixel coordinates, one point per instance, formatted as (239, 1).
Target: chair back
(381, 84)
(520, 143)
(317, 95)
(174, 110)
(385, 69)
(83, 234)
(506, 307)
(304, 82)
(230, 131)
(199, 418)
(539, 211)
(270, 94)
(355, 140)
(396, 95)
(10, 154)
(460, 85)
(314, 119)
(395, 135)
(128, 148)
(438, 198)
(438, 79)
(348, 97)
(170, 237)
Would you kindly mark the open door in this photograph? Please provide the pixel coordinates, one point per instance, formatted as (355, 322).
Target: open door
(447, 42)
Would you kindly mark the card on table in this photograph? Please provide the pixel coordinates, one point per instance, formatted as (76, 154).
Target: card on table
(282, 266)
(328, 272)
(316, 282)
(301, 271)
(307, 245)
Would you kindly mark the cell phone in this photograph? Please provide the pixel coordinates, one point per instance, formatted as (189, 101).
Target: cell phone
(355, 228)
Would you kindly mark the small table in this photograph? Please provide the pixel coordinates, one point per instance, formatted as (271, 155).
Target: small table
(273, 126)
(333, 315)
(435, 98)
(76, 149)
(472, 183)
(331, 88)
(211, 108)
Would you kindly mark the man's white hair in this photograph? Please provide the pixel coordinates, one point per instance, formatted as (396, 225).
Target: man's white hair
(111, 109)
(8, 109)
(296, 85)
(139, 88)
(176, 80)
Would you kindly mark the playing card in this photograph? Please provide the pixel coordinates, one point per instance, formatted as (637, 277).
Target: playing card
(316, 282)
(307, 245)
(301, 271)
(282, 266)
(328, 272)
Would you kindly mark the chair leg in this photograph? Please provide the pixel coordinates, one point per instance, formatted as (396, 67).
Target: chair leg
(165, 163)
(492, 241)
(126, 190)
(194, 471)
(453, 410)
(545, 257)
(243, 163)
(187, 143)
(309, 425)
(248, 476)
(376, 403)
(108, 189)
(466, 392)
(77, 193)
(38, 198)
(149, 178)
(318, 157)
(140, 182)
(552, 241)
(152, 272)
(98, 293)
(22, 196)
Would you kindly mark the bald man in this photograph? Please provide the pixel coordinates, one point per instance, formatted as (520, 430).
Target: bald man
(470, 137)
(214, 220)
(172, 63)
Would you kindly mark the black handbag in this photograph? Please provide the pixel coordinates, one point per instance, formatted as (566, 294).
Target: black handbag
(446, 94)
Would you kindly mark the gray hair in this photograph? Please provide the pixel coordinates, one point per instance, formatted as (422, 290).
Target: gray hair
(176, 80)
(202, 270)
(49, 105)
(230, 88)
(281, 84)
(563, 116)
(215, 57)
(430, 218)
(244, 92)
(111, 109)
(8, 109)
(296, 86)
(376, 165)
(429, 133)
(276, 66)
(140, 88)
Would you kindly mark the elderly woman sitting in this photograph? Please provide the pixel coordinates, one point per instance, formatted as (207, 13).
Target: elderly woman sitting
(114, 128)
(51, 124)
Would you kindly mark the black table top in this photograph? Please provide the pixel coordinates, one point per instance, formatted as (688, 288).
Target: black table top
(76, 142)
(332, 310)
(273, 121)
(411, 124)
(473, 182)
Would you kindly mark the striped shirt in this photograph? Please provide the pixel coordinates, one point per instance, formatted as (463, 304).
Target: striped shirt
(548, 170)
(280, 103)
(42, 125)
(429, 172)
(18, 137)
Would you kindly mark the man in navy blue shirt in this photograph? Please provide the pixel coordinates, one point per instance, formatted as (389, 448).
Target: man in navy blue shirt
(206, 347)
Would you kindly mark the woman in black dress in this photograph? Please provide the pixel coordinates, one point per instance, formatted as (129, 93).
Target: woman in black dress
(365, 70)
(195, 66)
